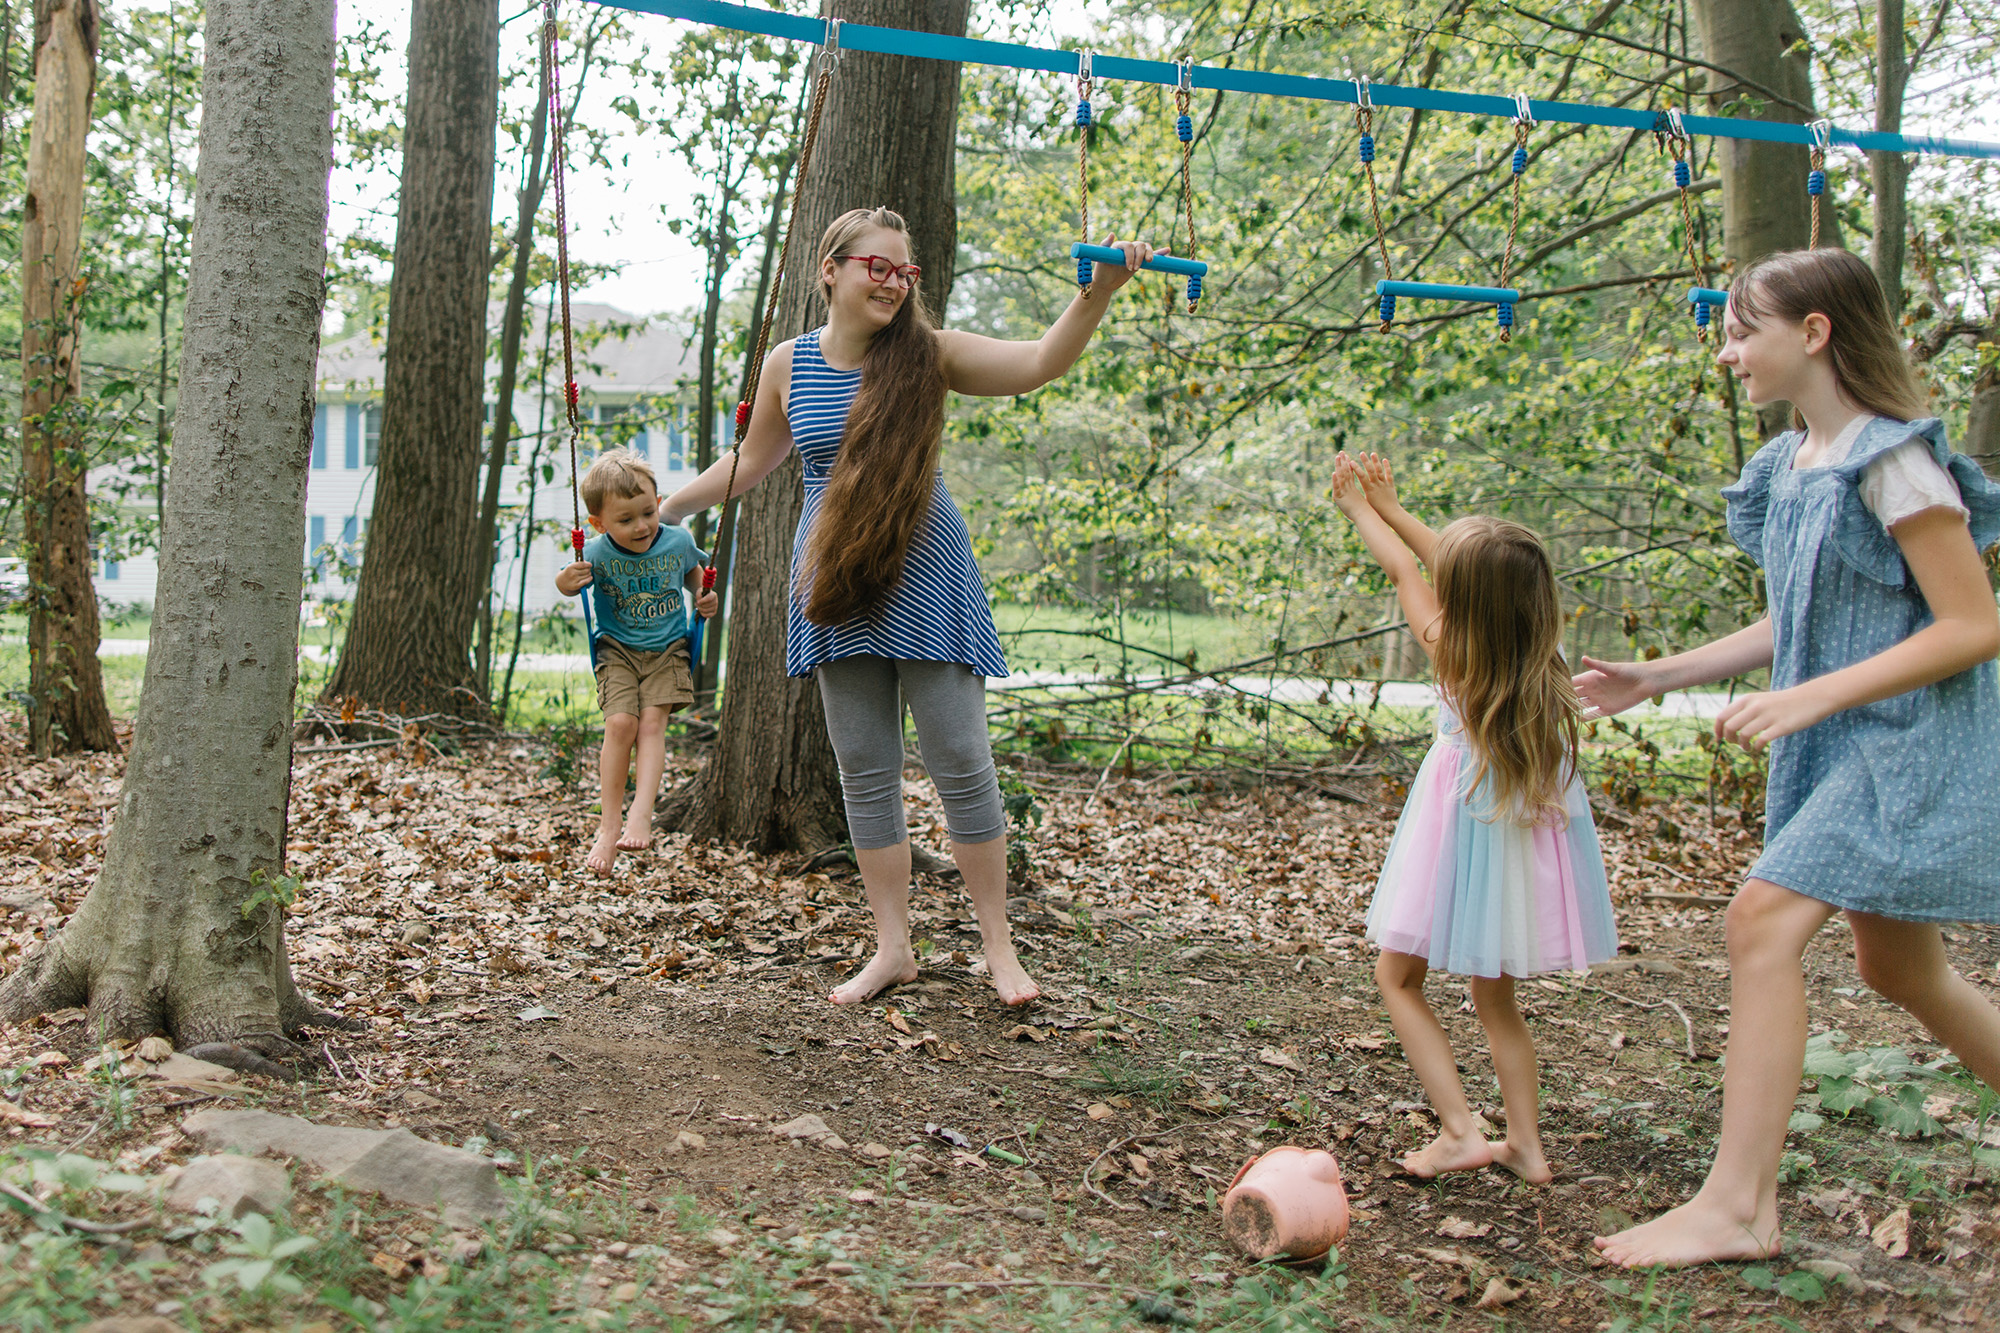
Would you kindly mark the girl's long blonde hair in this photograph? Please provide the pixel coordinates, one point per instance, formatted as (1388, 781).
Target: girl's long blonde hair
(1868, 356)
(1498, 657)
(879, 493)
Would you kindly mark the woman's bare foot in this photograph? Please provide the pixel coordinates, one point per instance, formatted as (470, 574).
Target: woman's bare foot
(1009, 977)
(1449, 1152)
(1526, 1162)
(1694, 1233)
(884, 970)
(603, 853)
(636, 839)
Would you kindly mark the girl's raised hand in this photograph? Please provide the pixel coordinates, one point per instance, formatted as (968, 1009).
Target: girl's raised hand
(1112, 276)
(1347, 488)
(1609, 688)
(1377, 482)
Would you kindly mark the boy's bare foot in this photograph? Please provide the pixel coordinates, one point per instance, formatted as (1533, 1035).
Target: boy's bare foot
(636, 839)
(603, 853)
(883, 970)
(1009, 977)
(1528, 1163)
(1694, 1233)
(1448, 1152)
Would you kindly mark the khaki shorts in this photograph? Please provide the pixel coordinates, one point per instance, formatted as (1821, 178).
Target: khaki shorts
(629, 680)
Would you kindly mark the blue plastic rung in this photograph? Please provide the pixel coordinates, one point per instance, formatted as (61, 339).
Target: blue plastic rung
(1184, 127)
(1504, 311)
(1387, 305)
(1703, 313)
(1520, 160)
(1683, 177)
(1193, 288)
(1444, 291)
(1816, 183)
(1707, 296)
(1083, 112)
(1105, 254)
(1367, 148)
(1083, 272)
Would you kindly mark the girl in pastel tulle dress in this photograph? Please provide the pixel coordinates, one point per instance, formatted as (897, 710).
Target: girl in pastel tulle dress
(1494, 872)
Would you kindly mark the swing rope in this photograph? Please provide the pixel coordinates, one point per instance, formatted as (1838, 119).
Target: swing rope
(558, 163)
(1524, 121)
(1085, 270)
(1184, 127)
(1364, 116)
(1822, 134)
(1676, 141)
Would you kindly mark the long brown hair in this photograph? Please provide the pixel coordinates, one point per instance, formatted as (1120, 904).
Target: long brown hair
(1868, 356)
(1498, 658)
(880, 490)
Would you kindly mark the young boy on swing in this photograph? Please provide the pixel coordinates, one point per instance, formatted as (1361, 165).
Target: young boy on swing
(636, 568)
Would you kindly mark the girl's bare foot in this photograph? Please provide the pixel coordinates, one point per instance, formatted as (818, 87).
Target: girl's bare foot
(1449, 1152)
(1694, 1233)
(885, 969)
(1527, 1162)
(603, 853)
(636, 838)
(1009, 977)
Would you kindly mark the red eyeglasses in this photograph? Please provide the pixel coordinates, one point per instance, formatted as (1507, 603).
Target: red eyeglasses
(881, 270)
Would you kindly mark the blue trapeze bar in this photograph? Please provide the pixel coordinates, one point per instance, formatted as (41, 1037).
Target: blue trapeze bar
(968, 50)
(1105, 254)
(1446, 291)
(1707, 296)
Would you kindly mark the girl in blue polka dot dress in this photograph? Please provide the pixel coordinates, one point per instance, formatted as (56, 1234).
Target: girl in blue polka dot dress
(1882, 720)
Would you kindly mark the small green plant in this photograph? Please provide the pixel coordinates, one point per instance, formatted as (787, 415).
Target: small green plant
(258, 1258)
(1115, 1073)
(569, 743)
(1797, 1285)
(1882, 1081)
(117, 1091)
(1024, 815)
(281, 891)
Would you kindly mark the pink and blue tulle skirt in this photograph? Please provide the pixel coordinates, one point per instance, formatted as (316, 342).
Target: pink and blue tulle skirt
(1489, 896)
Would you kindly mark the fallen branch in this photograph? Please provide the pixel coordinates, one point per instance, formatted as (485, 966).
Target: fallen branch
(1686, 1023)
(1688, 899)
(73, 1223)
(1112, 1147)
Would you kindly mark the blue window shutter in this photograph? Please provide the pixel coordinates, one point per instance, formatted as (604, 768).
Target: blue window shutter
(316, 538)
(110, 569)
(353, 435)
(347, 532)
(319, 436)
(639, 446)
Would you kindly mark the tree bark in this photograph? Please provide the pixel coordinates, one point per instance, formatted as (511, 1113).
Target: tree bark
(181, 930)
(410, 646)
(1764, 202)
(1889, 173)
(771, 782)
(1982, 423)
(532, 185)
(67, 711)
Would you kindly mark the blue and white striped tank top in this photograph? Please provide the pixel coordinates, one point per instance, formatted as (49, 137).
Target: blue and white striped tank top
(938, 612)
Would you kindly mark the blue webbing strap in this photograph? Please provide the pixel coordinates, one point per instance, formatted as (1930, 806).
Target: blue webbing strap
(975, 51)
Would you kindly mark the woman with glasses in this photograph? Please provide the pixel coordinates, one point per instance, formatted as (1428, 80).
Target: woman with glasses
(887, 605)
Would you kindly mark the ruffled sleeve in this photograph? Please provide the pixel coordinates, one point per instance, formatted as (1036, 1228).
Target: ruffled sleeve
(1860, 537)
(1749, 498)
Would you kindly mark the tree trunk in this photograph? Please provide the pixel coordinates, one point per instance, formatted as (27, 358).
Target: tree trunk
(532, 184)
(409, 650)
(1982, 423)
(771, 781)
(1764, 202)
(181, 929)
(66, 706)
(1889, 173)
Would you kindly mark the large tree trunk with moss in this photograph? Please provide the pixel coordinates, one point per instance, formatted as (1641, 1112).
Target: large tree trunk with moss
(182, 929)
(1765, 50)
(66, 706)
(409, 649)
(771, 781)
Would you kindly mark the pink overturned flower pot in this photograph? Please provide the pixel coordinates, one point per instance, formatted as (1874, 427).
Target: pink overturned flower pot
(1287, 1204)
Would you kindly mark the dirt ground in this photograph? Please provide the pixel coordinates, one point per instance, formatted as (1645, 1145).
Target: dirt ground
(1207, 994)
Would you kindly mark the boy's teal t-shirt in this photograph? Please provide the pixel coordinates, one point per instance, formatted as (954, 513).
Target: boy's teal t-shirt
(638, 596)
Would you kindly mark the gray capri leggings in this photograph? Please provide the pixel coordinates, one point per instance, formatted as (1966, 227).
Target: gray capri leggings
(864, 699)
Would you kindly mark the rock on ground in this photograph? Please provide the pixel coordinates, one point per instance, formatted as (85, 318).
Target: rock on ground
(239, 1184)
(391, 1162)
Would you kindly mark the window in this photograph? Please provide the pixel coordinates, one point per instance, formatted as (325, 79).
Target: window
(110, 569)
(371, 433)
(316, 538)
(348, 533)
(351, 455)
(676, 442)
(319, 437)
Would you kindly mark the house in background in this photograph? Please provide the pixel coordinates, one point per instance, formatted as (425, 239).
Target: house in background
(636, 384)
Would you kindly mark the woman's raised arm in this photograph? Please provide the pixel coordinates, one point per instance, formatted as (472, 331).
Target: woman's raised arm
(765, 445)
(996, 368)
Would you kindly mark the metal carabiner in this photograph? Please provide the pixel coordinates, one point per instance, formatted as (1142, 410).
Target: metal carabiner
(1361, 98)
(1083, 67)
(1822, 134)
(1522, 114)
(1680, 130)
(1186, 68)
